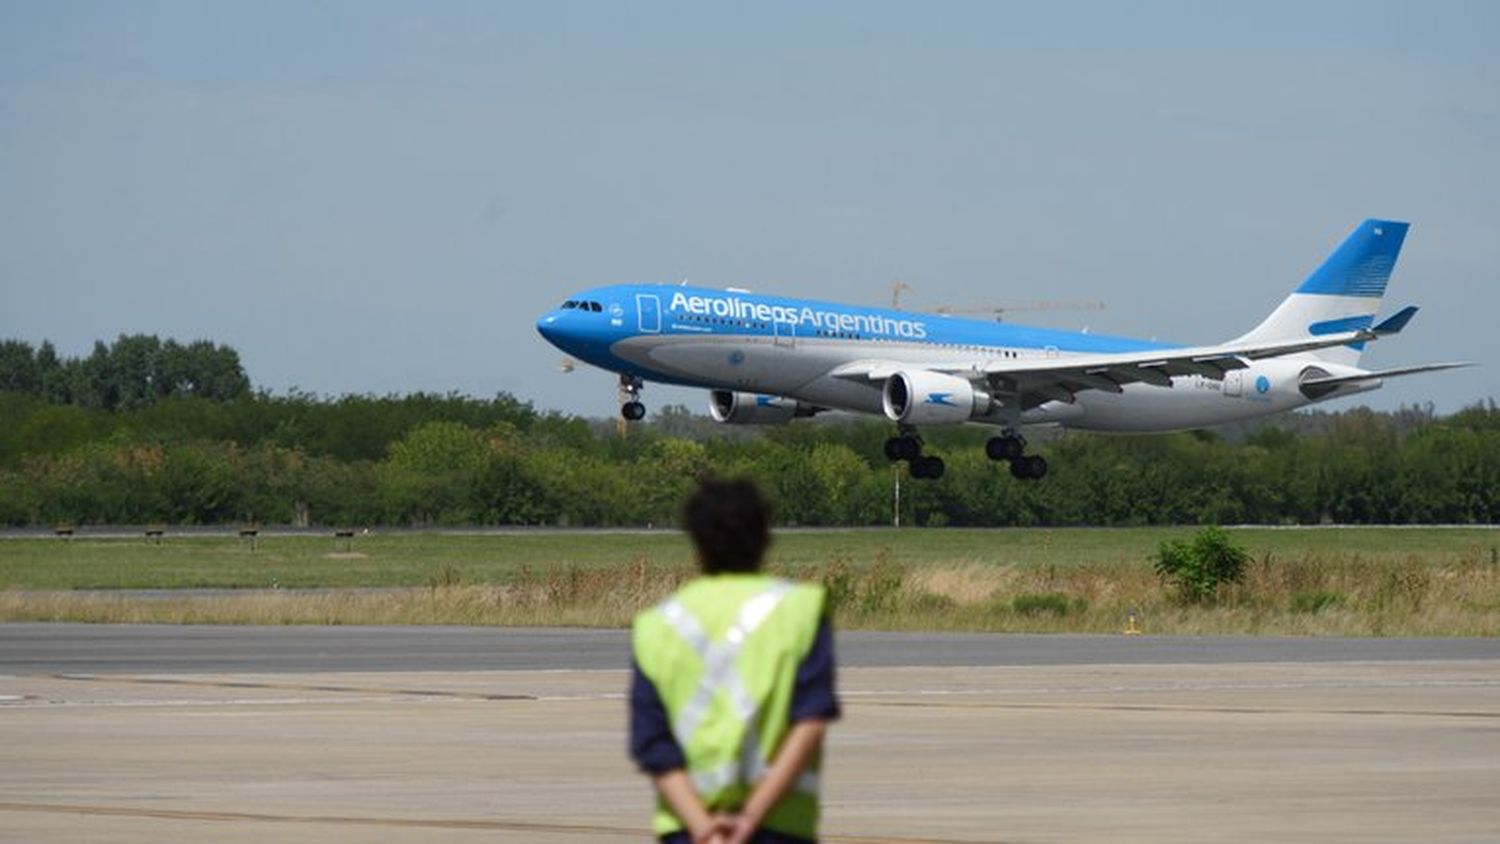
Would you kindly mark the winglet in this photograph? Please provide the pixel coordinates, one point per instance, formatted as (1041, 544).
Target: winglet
(1394, 323)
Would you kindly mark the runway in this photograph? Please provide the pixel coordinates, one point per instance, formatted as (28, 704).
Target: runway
(208, 648)
(145, 734)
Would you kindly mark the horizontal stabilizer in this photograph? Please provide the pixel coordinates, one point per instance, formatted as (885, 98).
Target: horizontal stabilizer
(1331, 380)
(1397, 321)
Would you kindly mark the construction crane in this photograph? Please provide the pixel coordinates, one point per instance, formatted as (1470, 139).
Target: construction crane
(896, 287)
(998, 311)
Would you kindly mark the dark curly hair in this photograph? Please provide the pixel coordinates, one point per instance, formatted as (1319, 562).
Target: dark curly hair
(730, 522)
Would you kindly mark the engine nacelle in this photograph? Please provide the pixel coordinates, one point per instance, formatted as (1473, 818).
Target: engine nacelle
(1313, 391)
(919, 397)
(732, 408)
(1306, 381)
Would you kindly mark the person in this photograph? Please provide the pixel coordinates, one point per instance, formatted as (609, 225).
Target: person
(732, 686)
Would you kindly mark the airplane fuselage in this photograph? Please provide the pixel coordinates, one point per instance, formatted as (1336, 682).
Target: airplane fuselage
(757, 344)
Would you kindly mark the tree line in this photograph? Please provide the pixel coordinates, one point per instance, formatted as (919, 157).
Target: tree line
(134, 371)
(191, 456)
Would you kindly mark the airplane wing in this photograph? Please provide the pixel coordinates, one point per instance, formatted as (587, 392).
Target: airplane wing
(1039, 380)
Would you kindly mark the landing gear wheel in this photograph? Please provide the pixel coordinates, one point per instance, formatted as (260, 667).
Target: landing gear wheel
(904, 447)
(909, 448)
(927, 468)
(893, 449)
(1006, 447)
(1031, 467)
(630, 398)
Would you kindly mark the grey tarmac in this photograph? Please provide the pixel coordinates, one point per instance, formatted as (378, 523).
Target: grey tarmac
(96, 648)
(234, 734)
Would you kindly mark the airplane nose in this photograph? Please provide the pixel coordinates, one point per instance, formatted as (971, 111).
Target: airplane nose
(547, 327)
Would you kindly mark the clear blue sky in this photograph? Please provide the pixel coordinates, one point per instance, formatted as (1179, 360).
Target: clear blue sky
(383, 196)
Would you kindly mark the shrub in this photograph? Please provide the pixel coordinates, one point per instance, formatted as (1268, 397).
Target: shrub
(839, 583)
(1196, 569)
(1046, 603)
(932, 602)
(880, 586)
(1316, 600)
(446, 577)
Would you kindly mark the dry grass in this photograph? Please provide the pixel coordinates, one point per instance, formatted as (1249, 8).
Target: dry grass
(1311, 594)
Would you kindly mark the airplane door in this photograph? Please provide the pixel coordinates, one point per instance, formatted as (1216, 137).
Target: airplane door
(785, 333)
(1234, 381)
(648, 313)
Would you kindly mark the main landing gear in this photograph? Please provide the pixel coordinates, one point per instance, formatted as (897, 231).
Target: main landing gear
(908, 447)
(1011, 446)
(631, 408)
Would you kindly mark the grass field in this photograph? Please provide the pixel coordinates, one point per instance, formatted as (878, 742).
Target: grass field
(1376, 581)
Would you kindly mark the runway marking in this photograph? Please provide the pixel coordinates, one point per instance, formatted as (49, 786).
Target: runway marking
(284, 687)
(200, 703)
(1094, 690)
(1168, 707)
(865, 697)
(407, 823)
(421, 823)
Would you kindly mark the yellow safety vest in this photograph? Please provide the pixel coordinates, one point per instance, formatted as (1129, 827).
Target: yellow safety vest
(723, 653)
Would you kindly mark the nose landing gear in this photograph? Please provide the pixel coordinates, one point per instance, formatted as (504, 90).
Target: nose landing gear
(631, 408)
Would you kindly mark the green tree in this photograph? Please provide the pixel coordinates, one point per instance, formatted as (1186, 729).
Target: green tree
(431, 472)
(19, 371)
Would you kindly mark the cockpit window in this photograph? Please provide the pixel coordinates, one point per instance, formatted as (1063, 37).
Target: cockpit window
(595, 307)
(569, 304)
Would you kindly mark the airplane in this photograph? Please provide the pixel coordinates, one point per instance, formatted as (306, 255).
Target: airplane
(770, 359)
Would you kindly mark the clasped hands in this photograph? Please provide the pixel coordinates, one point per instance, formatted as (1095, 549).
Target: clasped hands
(726, 829)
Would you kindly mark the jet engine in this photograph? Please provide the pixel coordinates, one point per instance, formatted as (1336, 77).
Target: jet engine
(1314, 391)
(1311, 384)
(734, 408)
(919, 397)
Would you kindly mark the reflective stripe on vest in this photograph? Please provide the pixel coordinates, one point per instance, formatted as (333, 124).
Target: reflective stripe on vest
(721, 676)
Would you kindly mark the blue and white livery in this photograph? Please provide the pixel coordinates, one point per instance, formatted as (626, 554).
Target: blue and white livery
(769, 359)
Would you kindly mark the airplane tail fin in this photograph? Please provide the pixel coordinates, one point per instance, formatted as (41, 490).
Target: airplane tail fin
(1343, 294)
